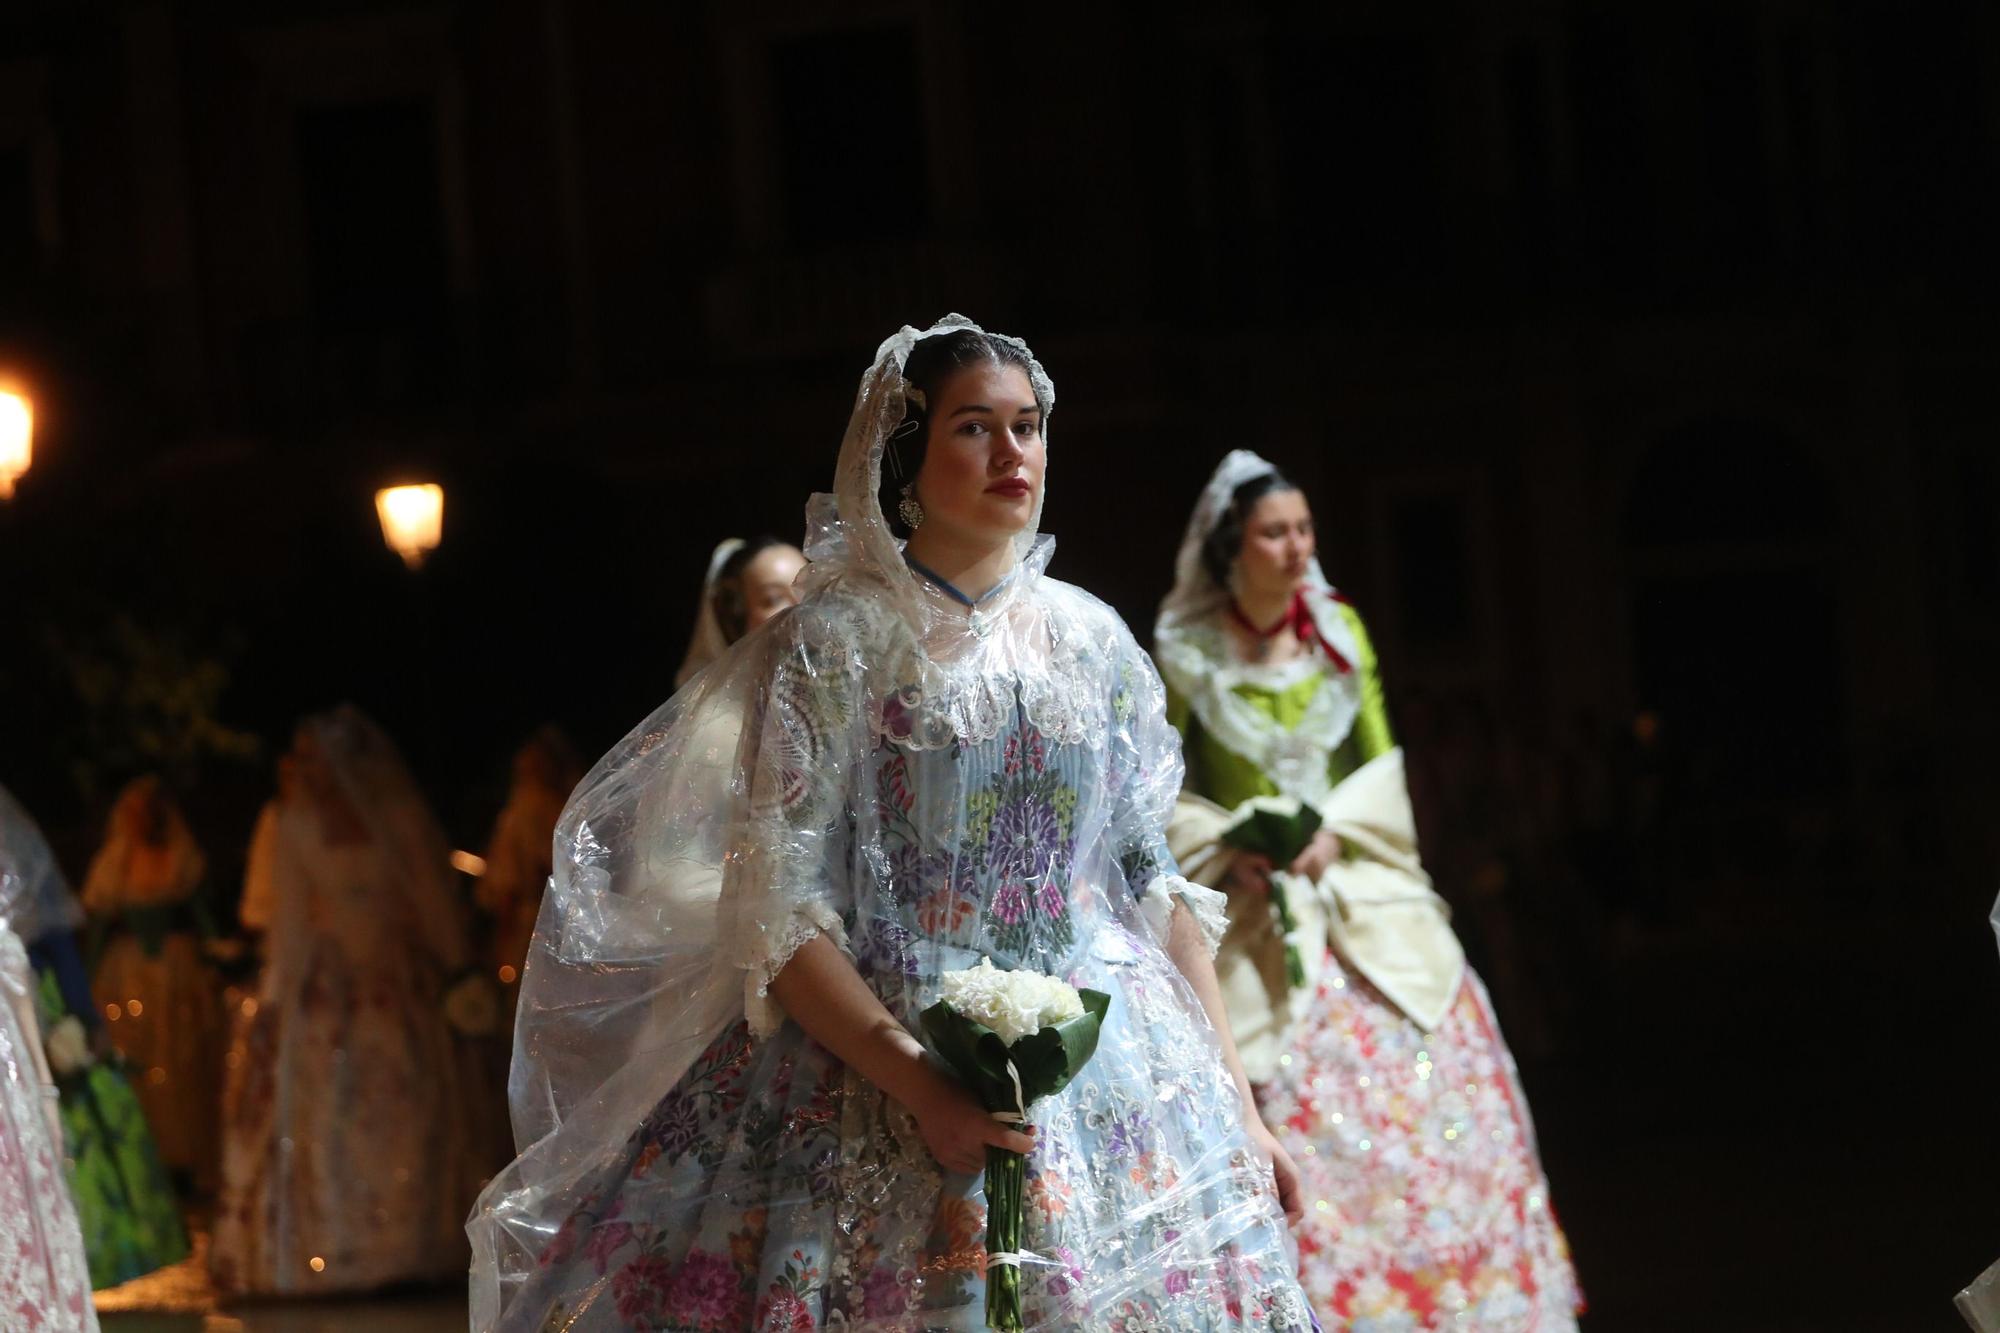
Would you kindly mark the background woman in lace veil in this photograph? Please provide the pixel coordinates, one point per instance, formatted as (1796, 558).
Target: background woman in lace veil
(940, 756)
(347, 1158)
(748, 582)
(1378, 1061)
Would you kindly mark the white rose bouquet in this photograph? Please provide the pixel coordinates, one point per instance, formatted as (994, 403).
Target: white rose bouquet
(1011, 1037)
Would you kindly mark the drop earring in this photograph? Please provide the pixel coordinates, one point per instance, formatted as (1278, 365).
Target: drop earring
(910, 509)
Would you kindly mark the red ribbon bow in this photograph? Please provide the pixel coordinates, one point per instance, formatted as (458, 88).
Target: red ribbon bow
(1298, 618)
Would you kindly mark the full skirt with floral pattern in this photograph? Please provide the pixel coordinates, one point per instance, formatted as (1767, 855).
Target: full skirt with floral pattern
(773, 1188)
(1426, 1204)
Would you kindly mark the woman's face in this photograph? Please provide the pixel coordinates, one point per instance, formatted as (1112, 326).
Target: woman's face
(983, 462)
(1278, 544)
(767, 584)
(311, 773)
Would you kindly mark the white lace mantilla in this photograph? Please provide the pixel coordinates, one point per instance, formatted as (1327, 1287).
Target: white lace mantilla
(1198, 665)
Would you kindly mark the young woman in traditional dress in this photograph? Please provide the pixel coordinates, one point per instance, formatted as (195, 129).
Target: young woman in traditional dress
(1382, 1071)
(940, 756)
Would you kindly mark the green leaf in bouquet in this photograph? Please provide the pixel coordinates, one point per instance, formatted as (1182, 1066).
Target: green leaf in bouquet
(1046, 1060)
(1278, 834)
(973, 1051)
(1049, 1059)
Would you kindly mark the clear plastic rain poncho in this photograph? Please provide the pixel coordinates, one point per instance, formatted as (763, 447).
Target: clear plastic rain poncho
(925, 787)
(35, 899)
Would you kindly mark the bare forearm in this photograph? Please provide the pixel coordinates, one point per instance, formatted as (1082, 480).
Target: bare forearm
(1190, 954)
(823, 994)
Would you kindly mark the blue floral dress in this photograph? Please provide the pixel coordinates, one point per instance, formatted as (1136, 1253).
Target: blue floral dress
(773, 1188)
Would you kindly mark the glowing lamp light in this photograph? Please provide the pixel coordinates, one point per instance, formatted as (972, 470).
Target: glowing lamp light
(412, 520)
(17, 439)
(469, 864)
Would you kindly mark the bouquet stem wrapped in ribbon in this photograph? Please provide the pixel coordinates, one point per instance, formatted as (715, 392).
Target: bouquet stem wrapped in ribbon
(1011, 1037)
(1277, 827)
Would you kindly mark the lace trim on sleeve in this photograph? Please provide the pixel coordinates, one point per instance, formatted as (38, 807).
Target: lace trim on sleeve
(1209, 909)
(762, 1010)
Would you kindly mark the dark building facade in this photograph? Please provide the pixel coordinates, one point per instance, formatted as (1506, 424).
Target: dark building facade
(1638, 360)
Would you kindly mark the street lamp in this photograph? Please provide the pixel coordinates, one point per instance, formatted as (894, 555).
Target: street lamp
(412, 519)
(17, 439)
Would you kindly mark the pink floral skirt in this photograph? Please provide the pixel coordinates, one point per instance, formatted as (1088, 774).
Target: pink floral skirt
(1426, 1204)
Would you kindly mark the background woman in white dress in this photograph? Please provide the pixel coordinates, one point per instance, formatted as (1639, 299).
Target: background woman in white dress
(1379, 1064)
(346, 1165)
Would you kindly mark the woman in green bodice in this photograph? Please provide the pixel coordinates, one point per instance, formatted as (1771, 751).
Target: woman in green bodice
(1372, 1047)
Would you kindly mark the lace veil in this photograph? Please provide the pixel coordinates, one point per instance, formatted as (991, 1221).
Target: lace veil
(708, 641)
(1193, 652)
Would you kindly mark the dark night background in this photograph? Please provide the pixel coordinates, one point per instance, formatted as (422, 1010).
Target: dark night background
(1639, 360)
